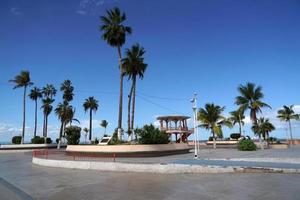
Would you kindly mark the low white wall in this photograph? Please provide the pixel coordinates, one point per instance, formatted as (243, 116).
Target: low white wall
(132, 167)
(14, 146)
(27, 146)
(229, 142)
(127, 148)
(155, 168)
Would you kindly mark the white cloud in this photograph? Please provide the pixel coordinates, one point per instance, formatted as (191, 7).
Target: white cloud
(92, 7)
(297, 108)
(15, 11)
(81, 12)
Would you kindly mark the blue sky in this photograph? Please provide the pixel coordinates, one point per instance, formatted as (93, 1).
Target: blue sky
(209, 47)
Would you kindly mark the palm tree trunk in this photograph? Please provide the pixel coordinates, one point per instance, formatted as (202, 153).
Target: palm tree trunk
(61, 130)
(65, 124)
(240, 128)
(128, 108)
(46, 124)
(291, 134)
(90, 135)
(46, 127)
(121, 94)
(24, 116)
(214, 140)
(35, 119)
(133, 103)
(44, 120)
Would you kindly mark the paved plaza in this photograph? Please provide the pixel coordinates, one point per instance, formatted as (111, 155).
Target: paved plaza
(20, 179)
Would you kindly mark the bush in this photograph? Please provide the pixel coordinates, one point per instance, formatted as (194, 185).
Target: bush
(37, 140)
(49, 141)
(272, 140)
(151, 135)
(57, 140)
(16, 140)
(40, 140)
(211, 138)
(96, 141)
(246, 145)
(235, 136)
(73, 134)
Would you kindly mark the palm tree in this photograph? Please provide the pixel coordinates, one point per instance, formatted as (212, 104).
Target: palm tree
(22, 80)
(34, 95)
(134, 66)
(104, 124)
(48, 92)
(251, 98)
(90, 104)
(211, 119)
(67, 89)
(262, 128)
(114, 33)
(61, 111)
(47, 109)
(237, 117)
(287, 114)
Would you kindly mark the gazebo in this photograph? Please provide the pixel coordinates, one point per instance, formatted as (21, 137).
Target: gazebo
(175, 125)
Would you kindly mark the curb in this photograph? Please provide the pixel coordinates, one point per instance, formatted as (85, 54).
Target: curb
(155, 168)
(273, 160)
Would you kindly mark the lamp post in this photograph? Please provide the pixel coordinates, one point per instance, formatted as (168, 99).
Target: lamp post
(194, 107)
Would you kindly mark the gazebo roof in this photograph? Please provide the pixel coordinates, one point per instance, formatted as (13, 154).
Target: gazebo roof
(173, 117)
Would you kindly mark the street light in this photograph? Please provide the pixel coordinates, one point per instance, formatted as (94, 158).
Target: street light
(194, 107)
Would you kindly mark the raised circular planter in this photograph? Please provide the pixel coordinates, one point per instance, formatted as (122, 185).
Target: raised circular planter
(128, 150)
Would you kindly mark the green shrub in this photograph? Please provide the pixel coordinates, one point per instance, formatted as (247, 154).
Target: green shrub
(49, 140)
(210, 138)
(40, 140)
(272, 140)
(57, 140)
(246, 145)
(73, 134)
(151, 135)
(235, 136)
(96, 141)
(16, 139)
(37, 140)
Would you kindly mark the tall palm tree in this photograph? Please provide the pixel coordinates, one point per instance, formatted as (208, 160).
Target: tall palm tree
(134, 67)
(34, 95)
(237, 117)
(61, 112)
(211, 119)
(104, 124)
(90, 104)
(114, 33)
(67, 89)
(22, 80)
(251, 98)
(47, 109)
(49, 92)
(287, 114)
